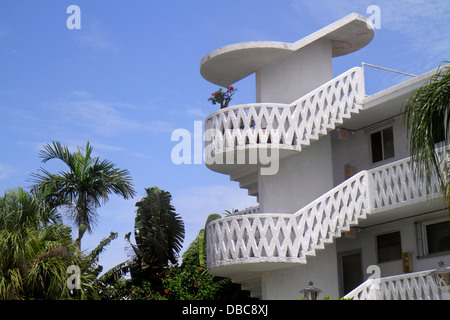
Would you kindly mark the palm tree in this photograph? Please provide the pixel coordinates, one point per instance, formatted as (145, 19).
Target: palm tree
(84, 187)
(427, 116)
(35, 249)
(159, 235)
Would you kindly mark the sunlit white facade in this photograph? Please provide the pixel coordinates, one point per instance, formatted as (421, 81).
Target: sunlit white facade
(339, 203)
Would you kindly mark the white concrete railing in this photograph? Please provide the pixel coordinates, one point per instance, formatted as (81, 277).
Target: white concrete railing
(411, 286)
(397, 183)
(266, 237)
(286, 126)
(272, 237)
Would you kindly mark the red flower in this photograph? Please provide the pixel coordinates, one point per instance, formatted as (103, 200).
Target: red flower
(213, 94)
(166, 291)
(149, 296)
(201, 269)
(195, 283)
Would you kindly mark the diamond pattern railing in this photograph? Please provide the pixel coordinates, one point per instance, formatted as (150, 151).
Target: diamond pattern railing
(286, 126)
(412, 286)
(397, 183)
(288, 237)
(266, 237)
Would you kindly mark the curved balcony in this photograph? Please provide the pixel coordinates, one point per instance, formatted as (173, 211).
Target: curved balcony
(232, 133)
(267, 241)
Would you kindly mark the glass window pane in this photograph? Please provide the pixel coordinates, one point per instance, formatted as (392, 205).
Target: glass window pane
(438, 237)
(377, 152)
(388, 143)
(389, 247)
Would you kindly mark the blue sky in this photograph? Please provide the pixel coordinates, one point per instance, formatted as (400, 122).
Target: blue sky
(130, 76)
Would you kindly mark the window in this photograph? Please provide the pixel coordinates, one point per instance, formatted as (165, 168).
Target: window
(389, 247)
(382, 144)
(437, 236)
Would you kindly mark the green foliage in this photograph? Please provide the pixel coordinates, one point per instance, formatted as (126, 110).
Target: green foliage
(186, 281)
(36, 250)
(427, 116)
(189, 281)
(159, 234)
(222, 97)
(158, 229)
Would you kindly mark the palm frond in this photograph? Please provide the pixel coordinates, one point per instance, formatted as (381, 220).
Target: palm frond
(94, 256)
(114, 274)
(159, 230)
(427, 118)
(56, 150)
(84, 187)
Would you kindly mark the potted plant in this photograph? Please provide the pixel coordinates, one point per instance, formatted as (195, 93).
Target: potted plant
(222, 97)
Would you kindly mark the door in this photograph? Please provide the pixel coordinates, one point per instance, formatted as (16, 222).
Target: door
(351, 275)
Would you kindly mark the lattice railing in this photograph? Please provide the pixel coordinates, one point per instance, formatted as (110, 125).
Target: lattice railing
(397, 183)
(265, 237)
(286, 126)
(288, 237)
(412, 286)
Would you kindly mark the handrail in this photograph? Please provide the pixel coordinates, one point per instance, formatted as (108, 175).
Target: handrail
(411, 286)
(286, 126)
(269, 237)
(266, 237)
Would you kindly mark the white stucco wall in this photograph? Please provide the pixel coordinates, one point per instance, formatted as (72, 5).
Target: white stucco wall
(356, 150)
(301, 178)
(321, 269)
(365, 240)
(287, 79)
(306, 176)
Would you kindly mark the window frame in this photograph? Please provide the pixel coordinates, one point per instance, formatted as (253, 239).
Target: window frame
(424, 234)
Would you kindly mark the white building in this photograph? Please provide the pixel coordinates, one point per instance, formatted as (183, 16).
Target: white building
(338, 202)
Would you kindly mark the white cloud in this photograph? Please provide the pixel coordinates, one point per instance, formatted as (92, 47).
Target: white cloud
(73, 145)
(94, 36)
(139, 155)
(80, 94)
(108, 119)
(6, 171)
(4, 31)
(421, 22)
(198, 112)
